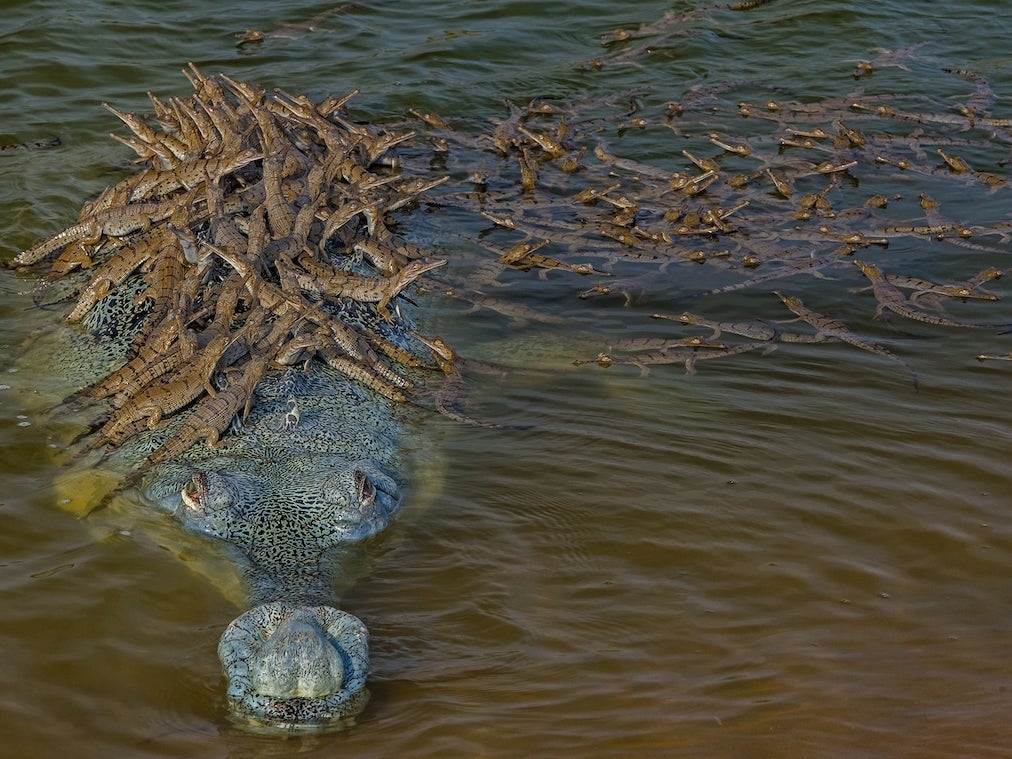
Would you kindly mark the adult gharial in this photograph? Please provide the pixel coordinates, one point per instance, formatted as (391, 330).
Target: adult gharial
(244, 289)
(238, 291)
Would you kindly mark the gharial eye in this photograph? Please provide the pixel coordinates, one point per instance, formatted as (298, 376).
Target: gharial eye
(365, 490)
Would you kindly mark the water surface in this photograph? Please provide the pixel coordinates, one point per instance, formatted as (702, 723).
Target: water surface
(785, 554)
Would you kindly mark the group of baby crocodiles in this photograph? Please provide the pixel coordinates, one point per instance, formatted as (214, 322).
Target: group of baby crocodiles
(762, 210)
(251, 350)
(247, 360)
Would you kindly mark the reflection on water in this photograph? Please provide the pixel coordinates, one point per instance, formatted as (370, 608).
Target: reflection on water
(786, 554)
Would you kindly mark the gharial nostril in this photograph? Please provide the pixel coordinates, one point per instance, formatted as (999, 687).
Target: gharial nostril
(364, 489)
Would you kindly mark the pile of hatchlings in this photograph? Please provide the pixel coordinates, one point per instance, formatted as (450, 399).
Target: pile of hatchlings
(230, 222)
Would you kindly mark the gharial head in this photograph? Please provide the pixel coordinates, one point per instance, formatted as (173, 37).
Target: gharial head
(292, 660)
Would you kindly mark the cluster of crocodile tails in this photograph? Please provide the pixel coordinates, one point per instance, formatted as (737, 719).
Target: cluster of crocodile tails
(240, 195)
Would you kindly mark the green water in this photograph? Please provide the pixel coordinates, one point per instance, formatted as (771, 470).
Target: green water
(790, 554)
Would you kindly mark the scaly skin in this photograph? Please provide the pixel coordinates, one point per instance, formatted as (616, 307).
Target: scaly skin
(343, 284)
(116, 270)
(831, 327)
(191, 173)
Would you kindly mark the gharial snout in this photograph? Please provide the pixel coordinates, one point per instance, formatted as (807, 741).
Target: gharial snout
(295, 666)
(298, 660)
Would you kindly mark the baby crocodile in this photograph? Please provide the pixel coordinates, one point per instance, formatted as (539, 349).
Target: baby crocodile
(891, 299)
(832, 328)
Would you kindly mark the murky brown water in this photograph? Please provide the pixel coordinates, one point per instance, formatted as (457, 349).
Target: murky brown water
(790, 554)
